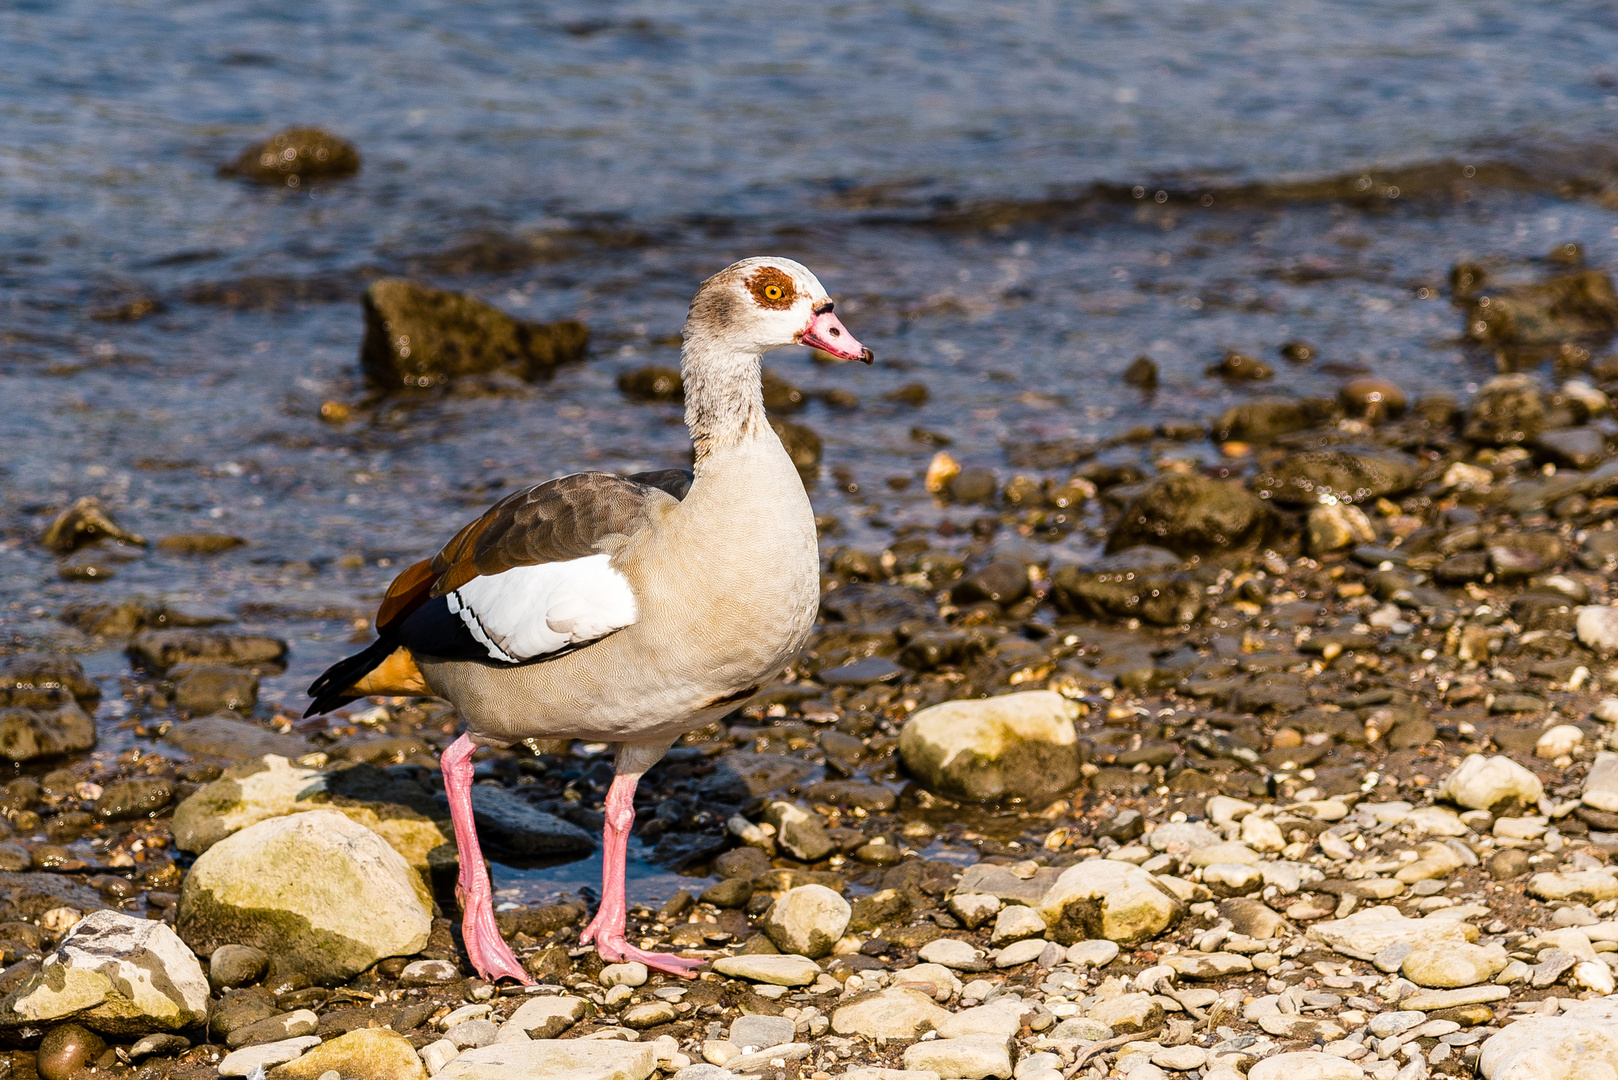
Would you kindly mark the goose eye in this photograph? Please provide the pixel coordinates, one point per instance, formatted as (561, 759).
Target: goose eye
(773, 292)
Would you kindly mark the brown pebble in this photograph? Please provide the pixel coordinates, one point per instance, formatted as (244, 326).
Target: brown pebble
(1372, 398)
(1507, 864)
(66, 1049)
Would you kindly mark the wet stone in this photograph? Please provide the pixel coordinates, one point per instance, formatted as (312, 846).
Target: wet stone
(295, 155)
(125, 800)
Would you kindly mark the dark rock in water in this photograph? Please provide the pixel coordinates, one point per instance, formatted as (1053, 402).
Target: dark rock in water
(416, 337)
(781, 396)
(1352, 476)
(652, 383)
(801, 443)
(1266, 420)
(66, 1049)
(866, 672)
(1563, 308)
(127, 616)
(934, 649)
(27, 734)
(537, 921)
(1004, 582)
(201, 689)
(239, 1008)
(293, 156)
(1193, 515)
(1299, 352)
(1142, 372)
(1508, 409)
(199, 543)
(1467, 280)
(31, 895)
(1372, 398)
(1141, 582)
(508, 822)
(126, 800)
(875, 607)
(1572, 448)
(742, 774)
(1234, 365)
(974, 486)
(233, 739)
(869, 797)
(32, 679)
(85, 522)
(915, 395)
(742, 863)
(159, 650)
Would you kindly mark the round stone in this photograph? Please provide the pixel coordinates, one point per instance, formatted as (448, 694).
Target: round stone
(67, 1048)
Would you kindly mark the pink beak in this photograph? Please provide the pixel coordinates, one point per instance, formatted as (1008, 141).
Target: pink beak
(828, 334)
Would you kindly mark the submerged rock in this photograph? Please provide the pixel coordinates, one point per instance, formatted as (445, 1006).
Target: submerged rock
(85, 522)
(295, 155)
(1015, 746)
(1564, 308)
(32, 679)
(1143, 582)
(1193, 515)
(324, 897)
(29, 734)
(417, 337)
(117, 974)
(160, 650)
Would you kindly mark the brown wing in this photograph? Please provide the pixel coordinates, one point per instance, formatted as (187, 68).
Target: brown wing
(565, 518)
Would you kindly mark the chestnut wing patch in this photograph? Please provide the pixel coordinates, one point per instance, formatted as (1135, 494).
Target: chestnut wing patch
(534, 575)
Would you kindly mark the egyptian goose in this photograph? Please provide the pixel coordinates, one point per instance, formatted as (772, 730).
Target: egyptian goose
(627, 610)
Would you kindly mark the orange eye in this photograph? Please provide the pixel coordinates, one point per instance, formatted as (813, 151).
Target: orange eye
(773, 292)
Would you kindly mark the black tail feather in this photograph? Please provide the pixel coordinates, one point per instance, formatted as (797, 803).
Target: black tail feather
(330, 691)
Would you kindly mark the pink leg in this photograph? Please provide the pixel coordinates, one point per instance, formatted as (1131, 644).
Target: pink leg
(489, 953)
(607, 928)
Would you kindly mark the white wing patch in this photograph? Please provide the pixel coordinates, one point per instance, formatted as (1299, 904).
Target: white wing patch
(529, 611)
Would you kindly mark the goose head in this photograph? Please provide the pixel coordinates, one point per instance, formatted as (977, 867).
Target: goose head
(765, 303)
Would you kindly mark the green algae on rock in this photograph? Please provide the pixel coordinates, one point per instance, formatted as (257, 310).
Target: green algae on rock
(1016, 746)
(325, 897)
(418, 337)
(117, 974)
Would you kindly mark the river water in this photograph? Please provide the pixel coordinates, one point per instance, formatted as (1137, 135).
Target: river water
(960, 176)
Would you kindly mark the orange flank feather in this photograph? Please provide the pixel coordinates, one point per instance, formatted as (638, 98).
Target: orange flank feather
(411, 589)
(398, 675)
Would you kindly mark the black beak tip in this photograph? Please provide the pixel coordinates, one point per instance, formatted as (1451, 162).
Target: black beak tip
(867, 356)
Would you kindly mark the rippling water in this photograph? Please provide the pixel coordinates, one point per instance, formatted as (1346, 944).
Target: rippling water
(936, 163)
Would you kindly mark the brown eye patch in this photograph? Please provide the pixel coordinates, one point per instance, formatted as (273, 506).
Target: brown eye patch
(772, 288)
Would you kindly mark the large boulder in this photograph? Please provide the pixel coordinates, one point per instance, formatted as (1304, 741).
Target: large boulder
(1350, 476)
(1581, 1042)
(1193, 516)
(116, 974)
(1020, 746)
(417, 337)
(325, 897)
(1103, 898)
(295, 155)
(1145, 582)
